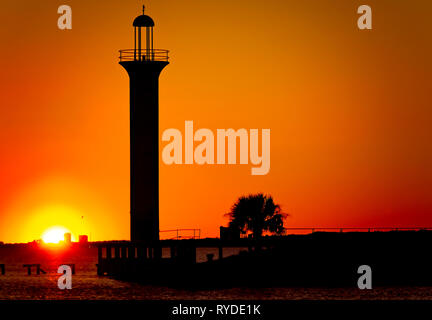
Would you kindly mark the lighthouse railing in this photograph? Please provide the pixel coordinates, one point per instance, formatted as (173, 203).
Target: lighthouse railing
(143, 55)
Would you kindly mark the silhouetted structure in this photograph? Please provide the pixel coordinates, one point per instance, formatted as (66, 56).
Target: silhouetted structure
(83, 239)
(67, 238)
(227, 233)
(144, 64)
(320, 259)
(29, 267)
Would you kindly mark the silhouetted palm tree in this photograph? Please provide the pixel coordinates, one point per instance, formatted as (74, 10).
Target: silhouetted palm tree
(256, 213)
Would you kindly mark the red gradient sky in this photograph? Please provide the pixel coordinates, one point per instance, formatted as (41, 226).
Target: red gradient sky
(349, 112)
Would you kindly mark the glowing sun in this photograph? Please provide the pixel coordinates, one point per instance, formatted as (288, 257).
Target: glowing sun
(54, 234)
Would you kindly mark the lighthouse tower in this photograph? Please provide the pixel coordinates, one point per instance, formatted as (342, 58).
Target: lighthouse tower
(144, 65)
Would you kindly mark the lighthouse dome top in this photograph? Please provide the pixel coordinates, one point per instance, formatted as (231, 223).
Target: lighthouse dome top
(143, 21)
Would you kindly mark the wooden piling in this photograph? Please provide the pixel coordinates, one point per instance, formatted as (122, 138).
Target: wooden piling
(173, 252)
(28, 266)
(39, 270)
(99, 254)
(3, 269)
(99, 269)
(158, 252)
(142, 252)
(131, 252)
(124, 252)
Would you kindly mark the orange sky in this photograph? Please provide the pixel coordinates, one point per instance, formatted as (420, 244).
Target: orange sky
(349, 112)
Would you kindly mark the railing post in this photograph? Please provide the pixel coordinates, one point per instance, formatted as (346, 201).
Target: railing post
(99, 254)
(108, 252)
(138, 54)
(150, 253)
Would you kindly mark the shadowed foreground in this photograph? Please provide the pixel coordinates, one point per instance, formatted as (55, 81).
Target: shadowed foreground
(397, 258)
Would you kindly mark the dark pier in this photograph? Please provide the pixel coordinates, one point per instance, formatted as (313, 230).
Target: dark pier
(120, 259)
(317, 259)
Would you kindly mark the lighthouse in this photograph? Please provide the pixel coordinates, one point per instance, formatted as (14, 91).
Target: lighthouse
(144, 64)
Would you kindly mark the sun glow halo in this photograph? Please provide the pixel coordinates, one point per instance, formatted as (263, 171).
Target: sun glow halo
(54, 234)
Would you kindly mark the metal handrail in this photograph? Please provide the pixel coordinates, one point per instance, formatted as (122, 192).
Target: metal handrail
(143, 55)
(196, 234)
